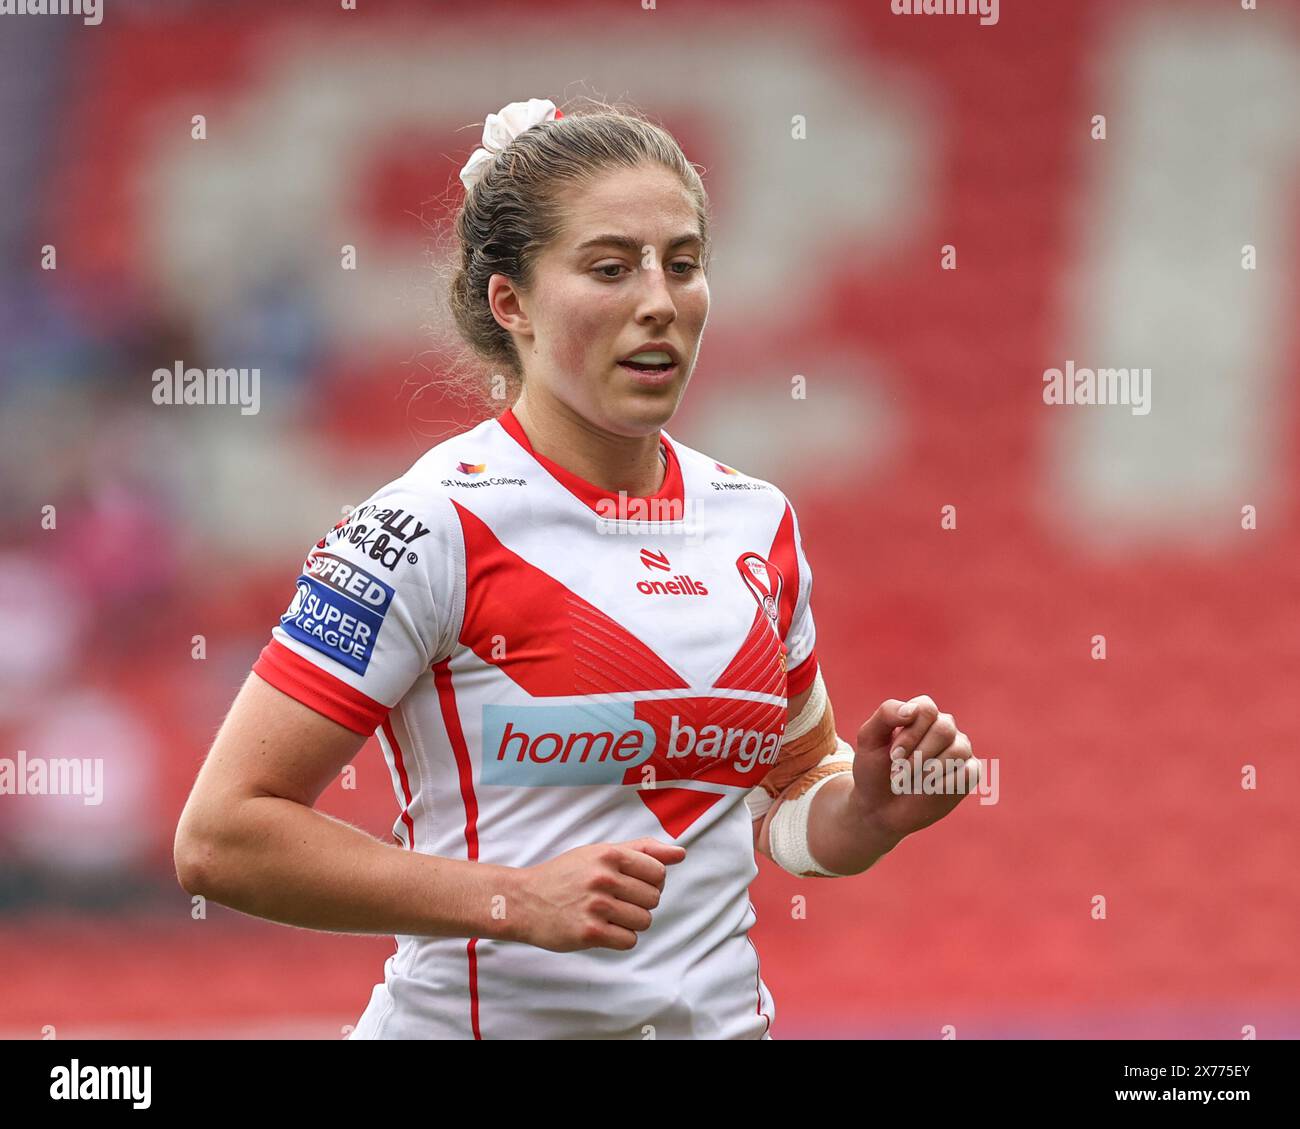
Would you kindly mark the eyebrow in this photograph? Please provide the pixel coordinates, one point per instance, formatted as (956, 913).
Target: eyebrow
(631, 244)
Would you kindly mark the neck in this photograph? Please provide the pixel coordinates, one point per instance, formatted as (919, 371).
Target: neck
(611, 462)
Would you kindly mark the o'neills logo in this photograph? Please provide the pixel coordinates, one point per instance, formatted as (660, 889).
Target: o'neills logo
(675, 586)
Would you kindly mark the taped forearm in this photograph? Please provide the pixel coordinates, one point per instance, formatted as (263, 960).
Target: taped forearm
(811, 754)
(807, 739)
(788, 830)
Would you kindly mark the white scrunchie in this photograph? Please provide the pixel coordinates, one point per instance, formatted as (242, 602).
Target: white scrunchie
(502, 128)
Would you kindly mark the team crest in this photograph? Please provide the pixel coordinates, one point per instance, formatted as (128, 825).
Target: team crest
(764, 580)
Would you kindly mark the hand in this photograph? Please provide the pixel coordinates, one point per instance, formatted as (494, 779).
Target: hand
(919, 730)
(598, 896)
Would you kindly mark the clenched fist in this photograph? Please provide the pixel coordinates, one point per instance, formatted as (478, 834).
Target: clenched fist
(892, 741)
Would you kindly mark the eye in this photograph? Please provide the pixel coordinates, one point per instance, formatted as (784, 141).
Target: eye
(609, 266)
(688, 265)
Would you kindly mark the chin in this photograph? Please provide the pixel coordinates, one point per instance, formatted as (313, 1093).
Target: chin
(642, 411)
(645, 414)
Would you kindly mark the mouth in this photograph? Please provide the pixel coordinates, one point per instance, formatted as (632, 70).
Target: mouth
(650, 376)
(655, 364)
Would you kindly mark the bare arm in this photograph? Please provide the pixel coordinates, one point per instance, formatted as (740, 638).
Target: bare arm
(250, 838)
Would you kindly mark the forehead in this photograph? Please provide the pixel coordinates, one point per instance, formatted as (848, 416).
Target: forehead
(648, 204)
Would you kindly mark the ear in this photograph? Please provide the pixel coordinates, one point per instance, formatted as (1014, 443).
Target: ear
(506, 305)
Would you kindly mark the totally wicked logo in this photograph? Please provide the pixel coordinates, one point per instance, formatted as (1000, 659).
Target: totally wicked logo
(384, 535)
(657, 561)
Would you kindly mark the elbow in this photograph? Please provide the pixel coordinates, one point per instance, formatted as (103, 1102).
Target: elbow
(189, 860)
(194, 857)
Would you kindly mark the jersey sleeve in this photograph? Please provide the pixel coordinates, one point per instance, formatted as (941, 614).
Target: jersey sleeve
(796, 598)
(378, 602)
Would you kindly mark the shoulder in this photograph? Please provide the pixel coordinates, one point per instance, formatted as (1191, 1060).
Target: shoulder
(425, 490)
(708, 477)
(410, 519)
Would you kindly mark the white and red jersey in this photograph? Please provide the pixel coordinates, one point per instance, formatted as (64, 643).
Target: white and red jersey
(545, 671)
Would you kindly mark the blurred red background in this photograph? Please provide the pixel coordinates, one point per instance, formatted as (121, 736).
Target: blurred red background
(1119, 777)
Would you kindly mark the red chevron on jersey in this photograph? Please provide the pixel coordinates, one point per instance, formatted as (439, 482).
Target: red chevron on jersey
(759, 665)
(548, 639)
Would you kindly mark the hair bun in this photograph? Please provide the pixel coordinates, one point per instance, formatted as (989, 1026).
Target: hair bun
(502, 128)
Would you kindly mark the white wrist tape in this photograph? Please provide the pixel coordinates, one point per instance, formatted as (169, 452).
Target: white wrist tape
(788, 832)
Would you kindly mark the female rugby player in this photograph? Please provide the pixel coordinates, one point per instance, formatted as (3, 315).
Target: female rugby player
(587, 652)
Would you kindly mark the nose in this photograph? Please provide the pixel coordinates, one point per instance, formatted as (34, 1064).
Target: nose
(655, 301)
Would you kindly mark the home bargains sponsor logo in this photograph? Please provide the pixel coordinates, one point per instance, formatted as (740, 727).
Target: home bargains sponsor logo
(727, 741)
(338, 610)
(384, 535)
(574, 744)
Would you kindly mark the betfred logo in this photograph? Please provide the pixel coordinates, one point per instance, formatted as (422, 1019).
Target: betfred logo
(657, 561)
(349, 580)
